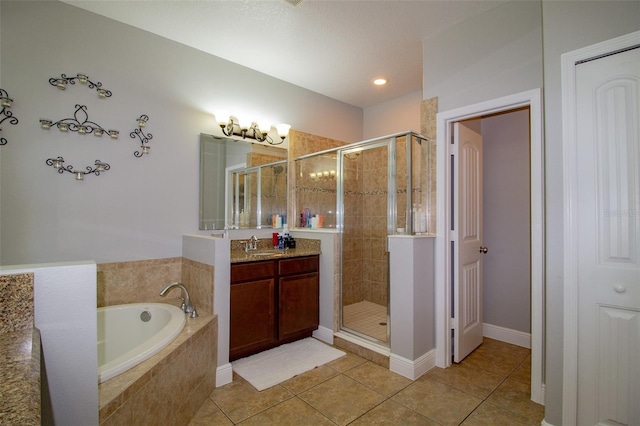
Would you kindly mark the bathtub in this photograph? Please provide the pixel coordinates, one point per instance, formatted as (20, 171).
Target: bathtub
(129, 334)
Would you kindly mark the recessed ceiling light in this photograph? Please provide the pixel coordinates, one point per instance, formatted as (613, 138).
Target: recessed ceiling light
(380, 81)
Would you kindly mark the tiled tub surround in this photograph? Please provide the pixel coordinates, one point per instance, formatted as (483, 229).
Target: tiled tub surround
(19, 352)
(304, 247)
(136, 281)
(168, 388)
(141, 281)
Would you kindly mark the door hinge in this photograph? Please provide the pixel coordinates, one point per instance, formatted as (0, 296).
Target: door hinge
(453, 323)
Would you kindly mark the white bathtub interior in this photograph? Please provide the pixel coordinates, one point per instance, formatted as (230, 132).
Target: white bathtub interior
(129, 334)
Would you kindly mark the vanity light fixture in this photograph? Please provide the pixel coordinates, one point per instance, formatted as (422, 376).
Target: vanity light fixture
(247, 129)
(62, 81)
(81, 127)
(5, 113)
(144, 137)
(58, 164)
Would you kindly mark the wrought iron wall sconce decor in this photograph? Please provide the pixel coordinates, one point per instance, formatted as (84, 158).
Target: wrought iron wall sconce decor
(232, 126)
(144, 138)
(5, 103)
(81, 127)
(62, 81)
(58, 164)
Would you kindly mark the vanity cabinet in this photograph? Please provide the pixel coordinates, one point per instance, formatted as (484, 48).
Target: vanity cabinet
(272, 302)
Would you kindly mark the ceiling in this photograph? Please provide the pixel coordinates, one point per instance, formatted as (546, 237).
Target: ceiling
(332, 47)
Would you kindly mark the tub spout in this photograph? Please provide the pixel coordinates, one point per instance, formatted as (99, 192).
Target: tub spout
(187, 306)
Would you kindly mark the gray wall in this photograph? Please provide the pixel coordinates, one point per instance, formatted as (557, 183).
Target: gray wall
(506, 217)
(142, 206)
(495, 54)
(568, 25)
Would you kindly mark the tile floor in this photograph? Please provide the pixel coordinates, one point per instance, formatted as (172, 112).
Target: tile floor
(367, 318)
(490, 387)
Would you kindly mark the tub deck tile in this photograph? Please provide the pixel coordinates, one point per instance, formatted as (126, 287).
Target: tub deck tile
(115, 392)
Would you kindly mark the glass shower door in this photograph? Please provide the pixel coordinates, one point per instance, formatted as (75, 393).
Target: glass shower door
(368, 210)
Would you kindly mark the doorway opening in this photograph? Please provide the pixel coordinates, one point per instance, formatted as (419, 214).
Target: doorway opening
(447, 234)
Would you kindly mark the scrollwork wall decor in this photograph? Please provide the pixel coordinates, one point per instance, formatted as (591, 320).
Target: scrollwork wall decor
(62, 81)
(144, 138)
(5, 113)
(76, 125)
(58, 164)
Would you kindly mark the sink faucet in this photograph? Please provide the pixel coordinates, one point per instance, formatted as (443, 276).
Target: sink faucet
(252, 244)
(187, 307)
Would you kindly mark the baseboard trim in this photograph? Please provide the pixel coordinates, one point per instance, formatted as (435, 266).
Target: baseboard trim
(544, 423)
(507, 335)
(224, 375)
(412, 369)
(324, 334)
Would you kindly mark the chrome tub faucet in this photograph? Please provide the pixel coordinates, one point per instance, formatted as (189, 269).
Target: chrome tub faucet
(187, 307)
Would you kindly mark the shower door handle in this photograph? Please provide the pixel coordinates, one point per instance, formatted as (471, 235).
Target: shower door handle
(483, 249)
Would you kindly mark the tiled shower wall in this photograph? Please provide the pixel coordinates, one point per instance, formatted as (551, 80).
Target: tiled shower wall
(352, 238)
(375, 263)
(428, 111)
(365, 257)
(314, 194)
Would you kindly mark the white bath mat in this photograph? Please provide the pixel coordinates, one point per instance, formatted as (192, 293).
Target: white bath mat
(276, 365)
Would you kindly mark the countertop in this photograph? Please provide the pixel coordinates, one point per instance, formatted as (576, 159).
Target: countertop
(265, 250)
(20, 377)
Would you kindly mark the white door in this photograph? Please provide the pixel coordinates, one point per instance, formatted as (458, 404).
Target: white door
(607, 225)
(467, 242)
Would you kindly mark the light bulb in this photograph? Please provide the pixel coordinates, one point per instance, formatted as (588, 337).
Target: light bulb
(222, 117)
(283, 130)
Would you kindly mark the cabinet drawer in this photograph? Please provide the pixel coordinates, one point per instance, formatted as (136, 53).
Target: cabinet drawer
(298, 265)
(252, 271)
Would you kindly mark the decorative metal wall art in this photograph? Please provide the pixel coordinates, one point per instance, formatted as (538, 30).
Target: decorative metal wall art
(62, 81)
(58, 164)
(76, 125)
(5, 114)
(144, 138)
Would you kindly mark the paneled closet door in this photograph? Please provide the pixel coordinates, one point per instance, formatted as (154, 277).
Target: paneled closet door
(608, 239)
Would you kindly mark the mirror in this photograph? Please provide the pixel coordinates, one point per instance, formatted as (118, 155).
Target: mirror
(242, 184)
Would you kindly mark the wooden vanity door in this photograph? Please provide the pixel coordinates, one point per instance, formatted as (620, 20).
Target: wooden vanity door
(252, 317)
(253, 308)
(298, 306)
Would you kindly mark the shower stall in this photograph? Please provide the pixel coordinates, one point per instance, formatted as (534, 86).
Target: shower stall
(366, 191)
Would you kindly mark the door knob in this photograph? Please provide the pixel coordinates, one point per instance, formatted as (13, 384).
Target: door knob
(619, 288)
(483, 249)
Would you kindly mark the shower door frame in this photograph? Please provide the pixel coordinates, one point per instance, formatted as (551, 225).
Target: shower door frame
(390, 143)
